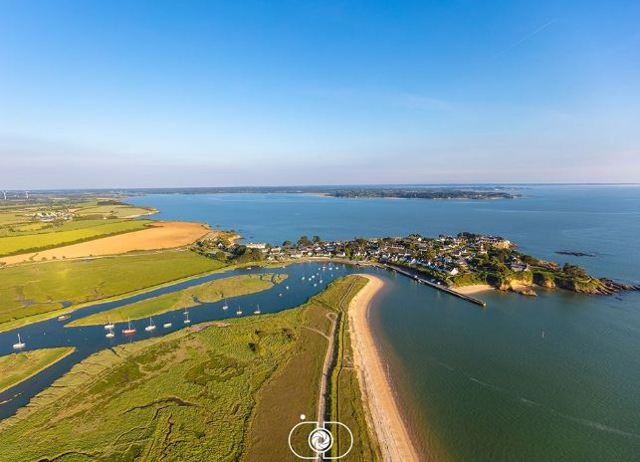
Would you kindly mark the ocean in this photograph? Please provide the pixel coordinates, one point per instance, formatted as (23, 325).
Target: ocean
(526, 379)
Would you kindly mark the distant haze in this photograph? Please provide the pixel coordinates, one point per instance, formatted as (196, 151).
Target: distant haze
(175, 94)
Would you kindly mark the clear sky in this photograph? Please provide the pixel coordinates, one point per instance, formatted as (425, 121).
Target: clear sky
(171, 93)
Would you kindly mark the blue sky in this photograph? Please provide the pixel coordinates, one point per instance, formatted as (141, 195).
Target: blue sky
(124, 94)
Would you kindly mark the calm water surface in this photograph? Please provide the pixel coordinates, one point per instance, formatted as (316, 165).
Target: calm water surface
(545, 379)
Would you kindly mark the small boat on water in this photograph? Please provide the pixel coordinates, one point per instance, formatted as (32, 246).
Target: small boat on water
(257, 310)
(302, 278)
(129, 330)
(166, 325)
(315, 285)
(225, 306)
(63, 317)
(239, 312)
(151, 327)
(186, 317)
(110, 334)
(286, 287)
(109, 325)
(20, 345)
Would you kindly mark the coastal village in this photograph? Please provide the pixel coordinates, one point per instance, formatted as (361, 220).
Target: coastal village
(466, 259)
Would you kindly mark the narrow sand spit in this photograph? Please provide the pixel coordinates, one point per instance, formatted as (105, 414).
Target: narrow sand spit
(163, 235)
(390, 429)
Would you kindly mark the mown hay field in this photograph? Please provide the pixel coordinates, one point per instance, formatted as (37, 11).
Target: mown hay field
(159, 235)
(24, 243)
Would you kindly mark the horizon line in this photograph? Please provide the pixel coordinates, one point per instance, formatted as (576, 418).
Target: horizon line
(143, 188)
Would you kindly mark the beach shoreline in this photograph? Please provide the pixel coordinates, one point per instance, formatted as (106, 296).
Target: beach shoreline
(472, 289)
(384, 413)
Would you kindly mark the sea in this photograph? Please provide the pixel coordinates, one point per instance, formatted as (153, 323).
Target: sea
(550, 378)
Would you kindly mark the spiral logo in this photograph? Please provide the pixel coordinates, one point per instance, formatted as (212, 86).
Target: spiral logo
(320, 440)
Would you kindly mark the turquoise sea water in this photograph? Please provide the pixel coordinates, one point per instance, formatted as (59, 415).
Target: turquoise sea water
(551, 378)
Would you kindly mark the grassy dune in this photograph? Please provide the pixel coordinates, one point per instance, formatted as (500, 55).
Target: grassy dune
(36, 291)
(12, 245)
(208, 292)
(227, 392)
(17, 367)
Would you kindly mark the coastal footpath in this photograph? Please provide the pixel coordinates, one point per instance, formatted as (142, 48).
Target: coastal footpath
(385, 417)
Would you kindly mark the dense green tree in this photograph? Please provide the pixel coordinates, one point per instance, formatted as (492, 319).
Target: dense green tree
(304, 241)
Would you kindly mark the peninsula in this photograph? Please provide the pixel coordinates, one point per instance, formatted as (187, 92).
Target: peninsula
(459, 262)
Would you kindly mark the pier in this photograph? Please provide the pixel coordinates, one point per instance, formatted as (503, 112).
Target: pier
(421, 280)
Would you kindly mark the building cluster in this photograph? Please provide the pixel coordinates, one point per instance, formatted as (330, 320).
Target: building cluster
(447, 255)
(52, 215)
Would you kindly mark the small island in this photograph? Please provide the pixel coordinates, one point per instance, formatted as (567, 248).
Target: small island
(455, 262)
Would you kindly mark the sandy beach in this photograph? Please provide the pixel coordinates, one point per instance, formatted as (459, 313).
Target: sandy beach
(384, 412)
(473, 289)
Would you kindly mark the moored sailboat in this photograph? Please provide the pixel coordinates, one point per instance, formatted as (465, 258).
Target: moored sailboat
(20, 345)
(151, 327)
(109, 325)
(129, 330)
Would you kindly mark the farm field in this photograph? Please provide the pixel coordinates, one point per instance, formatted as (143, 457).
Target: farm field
(39, 227)
(113, 211)
(159, 235)
(67, 234)
(37, 291)
(10, 216)
(16, 367)
(224, 391)
(208, 292)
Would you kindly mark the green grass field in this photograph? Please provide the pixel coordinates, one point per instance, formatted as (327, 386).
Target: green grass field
(8, 217)
(13, 245)
(208, 292)
(39, 227)
(17, 367)
(36, 291)
(227, 392)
